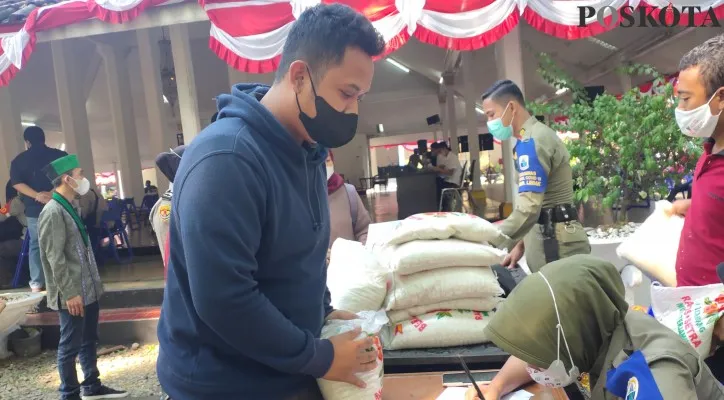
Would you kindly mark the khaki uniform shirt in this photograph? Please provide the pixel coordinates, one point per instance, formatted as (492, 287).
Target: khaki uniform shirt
(545, 179)
(676, 367)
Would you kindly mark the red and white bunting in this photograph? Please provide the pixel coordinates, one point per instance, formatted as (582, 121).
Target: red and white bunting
(255, 45)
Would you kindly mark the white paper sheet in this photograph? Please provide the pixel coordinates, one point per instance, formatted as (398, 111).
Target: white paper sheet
(458, 393)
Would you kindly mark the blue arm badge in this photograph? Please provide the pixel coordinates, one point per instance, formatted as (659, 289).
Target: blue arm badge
(531, 175)
(633, 380)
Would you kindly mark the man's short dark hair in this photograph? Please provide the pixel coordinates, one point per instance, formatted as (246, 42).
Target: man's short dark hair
(709, 57)
(59, 180)
(34, 135)
(323, 33)
(504, 91)
(438, 146)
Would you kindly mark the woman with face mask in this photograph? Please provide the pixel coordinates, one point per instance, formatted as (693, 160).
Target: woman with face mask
(349, 218)
(581, 324)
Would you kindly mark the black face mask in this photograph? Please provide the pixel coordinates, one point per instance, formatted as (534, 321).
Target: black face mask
(330, 128)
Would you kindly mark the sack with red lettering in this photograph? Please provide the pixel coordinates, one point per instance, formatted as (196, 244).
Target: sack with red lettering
(444, 225)
(444, 328)
(480, 304)
(371, 323)
(690, 311)
(442, 284)
(424, 255)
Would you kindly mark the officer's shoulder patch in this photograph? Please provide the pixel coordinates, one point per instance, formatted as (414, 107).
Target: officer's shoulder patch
(632, 389)
(164, 211)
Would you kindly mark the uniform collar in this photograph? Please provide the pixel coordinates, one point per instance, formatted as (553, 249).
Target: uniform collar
(527, 127)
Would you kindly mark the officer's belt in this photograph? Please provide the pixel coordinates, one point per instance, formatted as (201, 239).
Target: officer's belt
(558, 214)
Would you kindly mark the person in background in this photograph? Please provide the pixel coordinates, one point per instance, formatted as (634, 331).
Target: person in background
(448, 168)
(245, 297)
(92, 206)
(74, 285)
(160, 215)
(28, 179)
(349, 218)
(581, 324)
(150, 189)
(700, 90)
(415, 160)
(11, 226)
(544, 223)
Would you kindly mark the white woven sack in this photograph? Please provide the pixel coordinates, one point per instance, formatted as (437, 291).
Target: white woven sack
(371, 323)
(431, 226)
(482, 304)
(654, 246)
(438, 285)
(439, 329)
(424, 255)
(690, 311)
(356, 280)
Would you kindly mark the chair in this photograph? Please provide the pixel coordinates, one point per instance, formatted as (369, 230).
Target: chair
(147, 204)
(381, 180)
(130, 210)
(111, 227)
(456, 193)
(22, 258)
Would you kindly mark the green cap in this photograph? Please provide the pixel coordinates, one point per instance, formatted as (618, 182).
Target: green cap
(62, 165)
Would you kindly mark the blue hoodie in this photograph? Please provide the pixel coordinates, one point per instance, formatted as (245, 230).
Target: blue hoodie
(246, 294)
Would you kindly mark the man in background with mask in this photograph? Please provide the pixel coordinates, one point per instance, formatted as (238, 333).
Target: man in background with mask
(73, 284)
(544, 223)
(699, 114)
(246, 296)
(28, 179)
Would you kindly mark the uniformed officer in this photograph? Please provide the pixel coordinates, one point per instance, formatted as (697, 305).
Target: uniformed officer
(581, 324)
(544, 216)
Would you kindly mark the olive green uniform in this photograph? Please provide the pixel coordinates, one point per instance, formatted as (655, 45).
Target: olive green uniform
(544, 216)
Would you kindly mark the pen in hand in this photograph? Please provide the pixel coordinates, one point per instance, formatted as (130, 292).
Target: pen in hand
(470, 376)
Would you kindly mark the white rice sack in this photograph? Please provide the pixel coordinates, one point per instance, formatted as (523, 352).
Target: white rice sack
(438, 285)
(654, 246)
(444, 225)
(438, 329)
(356, 280)
(424, 255)
(371, 323)
(690, 311)
(482, 304)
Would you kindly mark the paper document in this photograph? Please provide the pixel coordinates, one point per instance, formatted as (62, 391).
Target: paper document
(458, 393)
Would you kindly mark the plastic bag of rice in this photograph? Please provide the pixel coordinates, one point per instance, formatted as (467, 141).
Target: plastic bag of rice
(443, 284)
(424, 255)
(445, 328)
(653, 247)
(444, 225)
(481, 304)
(371, 323)
(690, 311)
(355, 278)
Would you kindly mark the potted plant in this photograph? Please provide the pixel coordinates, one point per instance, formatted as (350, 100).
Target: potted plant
(629, 150)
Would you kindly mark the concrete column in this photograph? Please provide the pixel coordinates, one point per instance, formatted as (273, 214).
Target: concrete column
(123, 120)
(509, 60)
(71, 103)
(449, 80)
(185, 80)
(471, 117)
(625, 80)
(445, 124)
(11, 134)
(162, 138)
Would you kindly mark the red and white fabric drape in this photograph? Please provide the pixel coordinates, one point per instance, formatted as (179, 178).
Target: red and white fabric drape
(250, 34)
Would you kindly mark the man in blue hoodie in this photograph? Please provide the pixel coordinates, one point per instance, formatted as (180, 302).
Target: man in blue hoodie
(246, 294)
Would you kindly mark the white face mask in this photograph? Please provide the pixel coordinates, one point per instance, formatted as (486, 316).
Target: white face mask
(556, 376)
(698, 122)
(82, 186)
(330, 171)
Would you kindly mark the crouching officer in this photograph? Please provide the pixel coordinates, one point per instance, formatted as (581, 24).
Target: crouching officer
(544, 216)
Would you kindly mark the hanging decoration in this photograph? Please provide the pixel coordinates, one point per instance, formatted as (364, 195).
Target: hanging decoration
(256, 45)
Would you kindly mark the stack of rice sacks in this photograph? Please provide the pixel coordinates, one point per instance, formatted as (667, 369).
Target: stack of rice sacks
(442, 291)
